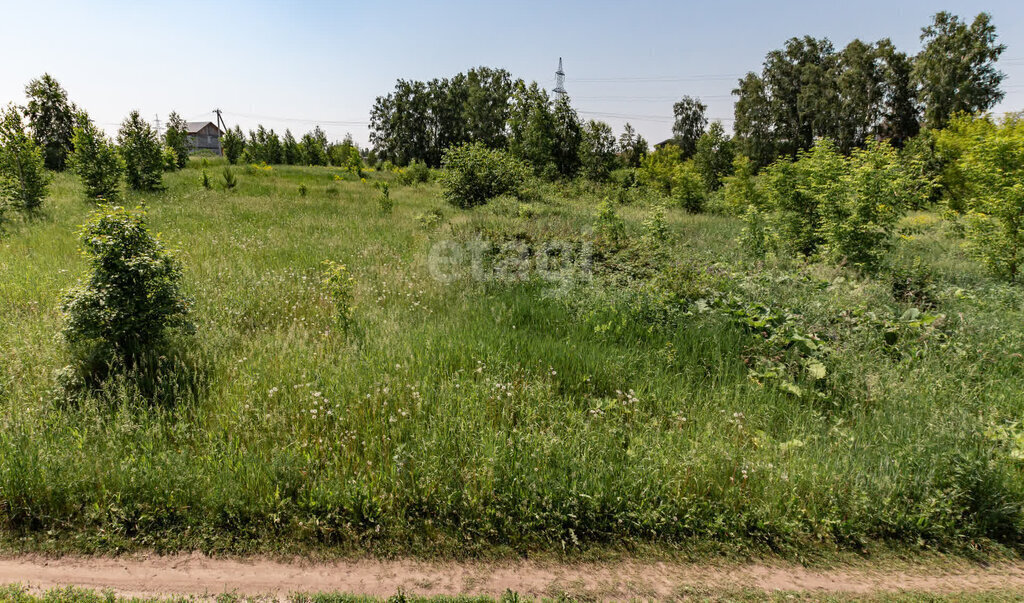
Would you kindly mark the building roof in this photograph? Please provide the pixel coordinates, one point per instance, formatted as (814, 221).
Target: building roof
(195, 126)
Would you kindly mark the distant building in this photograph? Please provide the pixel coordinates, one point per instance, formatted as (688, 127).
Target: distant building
(204, 136)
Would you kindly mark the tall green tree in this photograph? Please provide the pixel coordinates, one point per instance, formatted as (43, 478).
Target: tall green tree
(314, 147)
(96, 161)
(713, 157)
(52, 119)
(690, 123)
(142, 153)
(233, 143)
(754, 126)
(568, 138)
(597, 150)
(956, 70)
(176, 137)
(21, 162)
(290, 152)
(632, 147)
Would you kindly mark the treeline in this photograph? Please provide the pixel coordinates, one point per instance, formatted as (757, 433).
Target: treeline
(419, 121)
(263, 145)
(808, 91)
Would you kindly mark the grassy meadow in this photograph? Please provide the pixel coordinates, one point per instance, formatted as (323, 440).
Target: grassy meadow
(671, 394)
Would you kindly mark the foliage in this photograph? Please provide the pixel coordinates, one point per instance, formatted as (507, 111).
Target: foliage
(340, 285)
(264, 146)
(230, 181)
(419, 120)
(206, 181)
(741, 190)
(176, 138)
(713, 156)
(597, 150)
(233, 144)
(474, 174)
(657, 170)
(347, 155)
(132, 295)
(688, 186)
(689, 125)
(21, 163)
(97, 162)
(170, 159)
(142, 154)
(313, 147)
(632, 147)
(291, 154)
(956, 69)
(303, 190)
(51, 118)
(416, 172)
(568, 136)
(384, 201)
(988, 158)
(610, 229)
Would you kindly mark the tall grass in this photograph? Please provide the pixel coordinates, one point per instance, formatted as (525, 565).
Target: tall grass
(495, 417)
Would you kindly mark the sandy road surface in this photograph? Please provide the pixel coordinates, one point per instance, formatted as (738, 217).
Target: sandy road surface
(199, 575)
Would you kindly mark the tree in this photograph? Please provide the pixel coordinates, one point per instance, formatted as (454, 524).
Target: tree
(713, 156)
(132, 294)
(314, 147)
(474, 174)
(956, 70)
(21, 163)
(688, 187)
(690, 121)
(233, 144)
(568, 137)
(597, 150)
(96, 161)
(176, 138)
(142, 153)
(740, 189)
(754, 127)
(531, 128)
(901, 119)
(52, 119)
(290, 152)
(632, 147)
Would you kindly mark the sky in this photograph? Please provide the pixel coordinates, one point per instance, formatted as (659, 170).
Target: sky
(302, 63)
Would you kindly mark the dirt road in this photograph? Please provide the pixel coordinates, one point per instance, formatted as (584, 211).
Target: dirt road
(199, 575)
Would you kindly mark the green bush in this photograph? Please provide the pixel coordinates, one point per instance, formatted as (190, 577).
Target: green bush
(740, 188)
(230, 181)
(688, 186)
(988, 164)
(142, 153)
(233, 144)
(176, 137)
(340, 285)
(21, 163)
(96, 161)
(416, 172)
(474, 174)
(170, 159)
(132, 294)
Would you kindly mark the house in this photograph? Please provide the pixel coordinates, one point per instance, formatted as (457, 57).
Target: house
(204, 136)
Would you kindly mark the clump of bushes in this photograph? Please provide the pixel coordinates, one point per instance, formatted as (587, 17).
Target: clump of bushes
(23, 178)
(416, 172)
(123, 309)
(842, 208)
(340, 286)
(474, 174)
(96, 161)
(986, 170)
(142, 153)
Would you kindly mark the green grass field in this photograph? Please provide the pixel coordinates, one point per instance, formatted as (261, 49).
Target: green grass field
(669, 397)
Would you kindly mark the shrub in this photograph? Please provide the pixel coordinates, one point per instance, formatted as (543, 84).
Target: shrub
(132, 295)
(176, 138)
(714, 156)
(989, 164)
(229, 178)
(415, 173)
(474, 174)
(303, 190)
(340, 285)
(610, 229)
(740, 188)
(142, 154)
(21, 162)
(206, 181)
(96, 161)
(384, 202)
(860, 212)
(170, 159)
(688, 186)
(233, 144)
(657, 170)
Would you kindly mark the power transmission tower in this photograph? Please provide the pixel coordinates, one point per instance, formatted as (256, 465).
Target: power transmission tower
(157, 116)
(560, 80)
(223, 128)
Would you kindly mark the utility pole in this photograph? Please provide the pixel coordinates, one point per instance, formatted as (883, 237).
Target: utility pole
(560, 80)
(223, 128)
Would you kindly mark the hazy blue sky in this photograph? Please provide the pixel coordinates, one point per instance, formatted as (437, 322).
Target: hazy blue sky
(325, 62)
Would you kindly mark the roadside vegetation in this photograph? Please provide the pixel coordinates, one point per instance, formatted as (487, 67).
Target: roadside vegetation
(523, 335)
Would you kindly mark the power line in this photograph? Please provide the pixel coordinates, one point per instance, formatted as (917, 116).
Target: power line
(325, 122)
